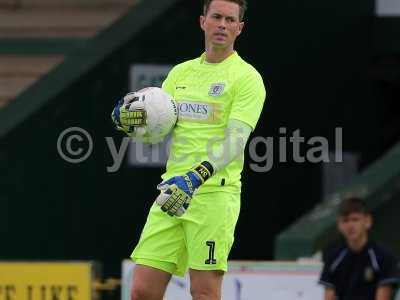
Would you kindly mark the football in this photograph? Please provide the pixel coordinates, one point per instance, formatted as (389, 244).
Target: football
(161, 113)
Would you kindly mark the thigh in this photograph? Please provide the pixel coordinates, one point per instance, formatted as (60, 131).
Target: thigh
(209, 229)
(206, 284)
(162, 243)
(149, 283)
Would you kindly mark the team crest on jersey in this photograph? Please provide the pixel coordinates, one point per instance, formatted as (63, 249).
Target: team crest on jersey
(216, 89)
(369, 274)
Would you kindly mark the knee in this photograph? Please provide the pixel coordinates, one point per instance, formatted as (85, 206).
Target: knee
(140, 292)
(204, 293)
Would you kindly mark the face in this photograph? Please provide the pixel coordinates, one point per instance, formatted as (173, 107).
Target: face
(354, 226)
(221, 24)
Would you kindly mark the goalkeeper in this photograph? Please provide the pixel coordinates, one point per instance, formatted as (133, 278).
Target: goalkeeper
(191, 224)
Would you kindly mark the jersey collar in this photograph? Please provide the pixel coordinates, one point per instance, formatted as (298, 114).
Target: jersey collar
(225, 62)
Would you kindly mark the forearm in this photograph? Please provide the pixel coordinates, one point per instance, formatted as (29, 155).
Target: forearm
(329, 294)
(384, 293)
(231, 146)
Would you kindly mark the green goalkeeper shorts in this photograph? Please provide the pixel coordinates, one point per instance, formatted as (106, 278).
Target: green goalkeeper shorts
(201, 239)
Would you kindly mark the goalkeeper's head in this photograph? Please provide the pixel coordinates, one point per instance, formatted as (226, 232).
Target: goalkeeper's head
(241, 3)
(222, 22)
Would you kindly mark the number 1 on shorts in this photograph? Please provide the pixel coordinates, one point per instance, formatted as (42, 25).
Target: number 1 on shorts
(211, 260)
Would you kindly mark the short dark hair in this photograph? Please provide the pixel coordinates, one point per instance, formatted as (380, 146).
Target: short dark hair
(352, 205)
(242, 4)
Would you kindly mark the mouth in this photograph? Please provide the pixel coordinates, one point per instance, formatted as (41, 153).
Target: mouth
(351, 233)
(220, 35)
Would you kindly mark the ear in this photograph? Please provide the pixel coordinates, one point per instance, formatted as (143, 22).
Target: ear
(240, 28)
(202, 20)
(369, 222)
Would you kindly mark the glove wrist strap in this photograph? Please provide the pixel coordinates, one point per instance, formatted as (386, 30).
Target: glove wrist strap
(204, 170)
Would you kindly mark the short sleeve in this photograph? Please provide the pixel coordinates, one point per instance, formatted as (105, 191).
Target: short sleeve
(249, 99)
(169, 83)
(326, 278)
(389, 273)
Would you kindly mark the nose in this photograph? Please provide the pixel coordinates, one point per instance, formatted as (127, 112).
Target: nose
(222, 24)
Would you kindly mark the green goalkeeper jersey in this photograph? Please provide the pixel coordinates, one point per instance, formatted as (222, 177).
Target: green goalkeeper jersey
(208, 95)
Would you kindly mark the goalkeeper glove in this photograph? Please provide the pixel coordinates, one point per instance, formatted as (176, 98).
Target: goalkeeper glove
(177, 192)
(129, 114)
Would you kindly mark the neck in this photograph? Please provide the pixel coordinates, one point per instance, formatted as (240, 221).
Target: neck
(358, 244)
(217, 55)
